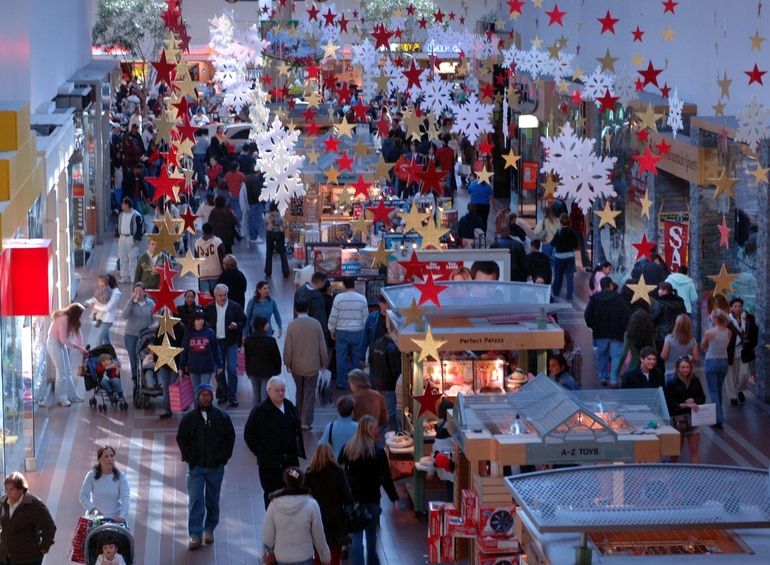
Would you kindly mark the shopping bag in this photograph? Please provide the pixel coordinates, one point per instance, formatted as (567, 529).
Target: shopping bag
(324, 392)
(241, 365)
(79, 539)
(181, 394)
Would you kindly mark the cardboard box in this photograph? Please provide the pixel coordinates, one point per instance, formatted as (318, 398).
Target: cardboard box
(456, 527)
(448, 549)
(438, 513)
(470, 506)
(434, 549)
(497, 545)
(497, 519)
(482, 559)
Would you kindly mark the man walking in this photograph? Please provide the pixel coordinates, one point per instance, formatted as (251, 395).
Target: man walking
(129, 231)
(206, 438)
(254, 184)
(346, 326)
(647, 374)
(209, 248)
(304, 353)
(607, 316)
(310, 293)
(740, 351)
(386, 369)
(228, 320)
(518, 255)
(273, 434)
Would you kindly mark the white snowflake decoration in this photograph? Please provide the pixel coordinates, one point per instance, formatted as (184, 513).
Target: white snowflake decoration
(753, 124)
(558, 67)
(280, 164)
(396, 79)
(365, 55)
(625, 88)
(473, 118)
(511, 56)
(237, 96)
(675, 105)
(259, 112)
(437, 95)
(596, 84)
(582, 175)
(532, 61)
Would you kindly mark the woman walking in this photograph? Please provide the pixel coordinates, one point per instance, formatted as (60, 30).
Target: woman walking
(138, 316)
(564, 244)
(679, 343)
(714, 345)
(105, 489)
(63, 334)
(276, 242)
(262, 305)
(105, 308)
(327, 484)
(186, 310)
(683, 395)
(367, 469)
(293, 527)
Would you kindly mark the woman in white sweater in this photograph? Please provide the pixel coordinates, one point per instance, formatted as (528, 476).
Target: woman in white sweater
(105, 489)
(292, 525)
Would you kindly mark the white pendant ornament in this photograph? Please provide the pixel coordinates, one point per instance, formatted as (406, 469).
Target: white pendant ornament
(280, 164)
(473, 118)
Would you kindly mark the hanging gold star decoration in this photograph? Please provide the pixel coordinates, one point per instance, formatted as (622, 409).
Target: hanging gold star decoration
(361, 148)
(429, 346)
(511, 160)
(330, 50)
(414, 219)
(756, 41)
(723, 281)
(345, 128)
(166, 354)
(313, 100)
(189, 264)
(550, 185)
(641, 290)
(719, 109)
(646, 203)
(361, 225)
(167, 323)
(312, 157)
(760, 174)
(332, 175)
(382, 169)
(724, 85)
(668, 34)
(648, 119)
(345, 197)
(607, 62)
(413, 314)
(382, 82)
(380, 258)
(165, 238)
(607, 215)
(163, 126)
(431, 235)
(184, 81)
(172, 224)
(723, 184)
(484, 175)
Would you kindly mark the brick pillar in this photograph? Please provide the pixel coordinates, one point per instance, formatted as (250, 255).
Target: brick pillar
(763, 280)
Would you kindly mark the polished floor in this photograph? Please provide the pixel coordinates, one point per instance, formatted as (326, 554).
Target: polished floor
(146, 448)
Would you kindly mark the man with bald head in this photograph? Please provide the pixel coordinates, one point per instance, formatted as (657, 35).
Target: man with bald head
(228, 321)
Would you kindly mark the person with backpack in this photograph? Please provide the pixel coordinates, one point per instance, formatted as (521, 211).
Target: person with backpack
(129, 230)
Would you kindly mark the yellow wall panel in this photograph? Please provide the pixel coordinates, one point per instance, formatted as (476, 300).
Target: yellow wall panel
(14, 212)
(16, 166)
(14, 125)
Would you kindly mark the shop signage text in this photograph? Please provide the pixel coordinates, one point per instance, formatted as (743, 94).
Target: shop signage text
(676, 238)
(683, 160)
(579, 452)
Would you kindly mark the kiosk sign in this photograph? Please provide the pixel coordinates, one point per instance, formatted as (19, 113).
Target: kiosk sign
(580, 452)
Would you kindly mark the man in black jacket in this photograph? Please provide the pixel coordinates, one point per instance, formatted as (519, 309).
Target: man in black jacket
(255, 182)
(228, 321)
(311, 294)
(666, 306)
(647, 374)
(273, 434)
(538, 264)
(740, 351)
(607, 315)
(469, 223)
(206, 438)
(386, 368)
(518, 255)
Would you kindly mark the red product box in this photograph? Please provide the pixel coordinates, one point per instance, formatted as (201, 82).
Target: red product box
(434, 549)
(437, 516)
(512, 559)
(489, 544)
(448, 549)
(497, 520)
(470, 506)
(456, 527)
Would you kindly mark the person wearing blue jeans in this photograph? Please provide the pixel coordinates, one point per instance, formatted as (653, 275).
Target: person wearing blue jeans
(206, 438)
(346, 324)
(564, 243)
(607, 315)
(227, 381)
(563, 267)
(228, 321)
(715, 343)
(256, 221)
(609, 353)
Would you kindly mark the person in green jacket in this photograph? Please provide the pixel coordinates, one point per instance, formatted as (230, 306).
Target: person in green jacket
(146, 265)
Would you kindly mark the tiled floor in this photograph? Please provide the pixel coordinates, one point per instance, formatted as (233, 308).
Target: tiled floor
(147, 448)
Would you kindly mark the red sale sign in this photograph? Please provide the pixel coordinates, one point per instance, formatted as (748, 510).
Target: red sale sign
(676, 239)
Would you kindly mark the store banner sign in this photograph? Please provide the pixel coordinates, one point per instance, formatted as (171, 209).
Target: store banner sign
(529, 175)
(79, 205)
(579, 452)
(675, 240)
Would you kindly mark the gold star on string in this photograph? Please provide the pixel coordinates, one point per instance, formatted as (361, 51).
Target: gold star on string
(484, 175)
(607, 62)
(563, 86)
(183, 148)
(165, 239)
(414, 219)
(172, 224)
(537, 42)
(550, 185)
(668, 34)
(637, 59)
(553, 51)
(313, 100)
(166, 354)
(172, 48)
(577, 74)
(361, 148)
(382, 169)
(167, 323)
(723, 281)
(511, 160)
(412, 122)
(330, 50)
(163, 126)
(312, 157)
(538, 3)
(724, 85)
(648, 119)
(723, 184)
(756, 41)
(309, 142)
(641, 290)
(291, 125)
(361, 225)
(413, 314)
(646, 203)
(344, 128)
(429, 346)
(283, 69)
(380, 258)
(382, 82)
(332, 175)
(189, 264)
(282, 115)
(607, 215)
(719, 109)
(760, 174)
(345, 197)
(431, 235)
(184, 83)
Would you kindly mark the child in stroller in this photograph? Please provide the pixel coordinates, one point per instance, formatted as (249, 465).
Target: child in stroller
(108, 372)
(110, 555)
(108, 543)
(147, 382)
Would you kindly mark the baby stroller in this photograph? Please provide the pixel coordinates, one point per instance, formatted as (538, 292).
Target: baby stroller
(92, 379)
(108, 532)
(145, 381)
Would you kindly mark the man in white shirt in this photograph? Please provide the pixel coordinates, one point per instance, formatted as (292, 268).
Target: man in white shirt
(129, 231)
(346, 324)
(228, 321)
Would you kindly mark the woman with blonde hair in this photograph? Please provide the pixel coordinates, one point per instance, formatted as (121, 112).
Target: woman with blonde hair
(367, 469)
(714, 345)
(326, 482)
(63, 334)
(679, 343)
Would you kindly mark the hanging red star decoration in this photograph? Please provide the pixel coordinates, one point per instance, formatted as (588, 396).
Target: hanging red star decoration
(644, 247)
(343, 23)
(383, 127)
(164, 297)
(414, 268)
(329, 18)
(642, 135)
(724, 233)
(429, 291)
(344, 162)
(431, 179)
(647, 161)
(332, 145)
(487, 91)
(164, 71)
(312, 13)
(381, 36)
(361, 187)
(189, 219)
(608, 23)
(637, 33)
(166, 273)
(428, 401)
(514, 7)
(485, 147)
(755, 75)
(182, 107)
(669, 5)
(607, 101)
(186, 130)
(438, 17)
(359, 111)
(410, 10)
(381, 212)
(650, 74)
(555, 16)
(312, 128)
(665, 90)
(423, 23)
(412, 76)
(577, 98)
(344, 92)
(204, 299)
(164, 185)
(663, 147)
